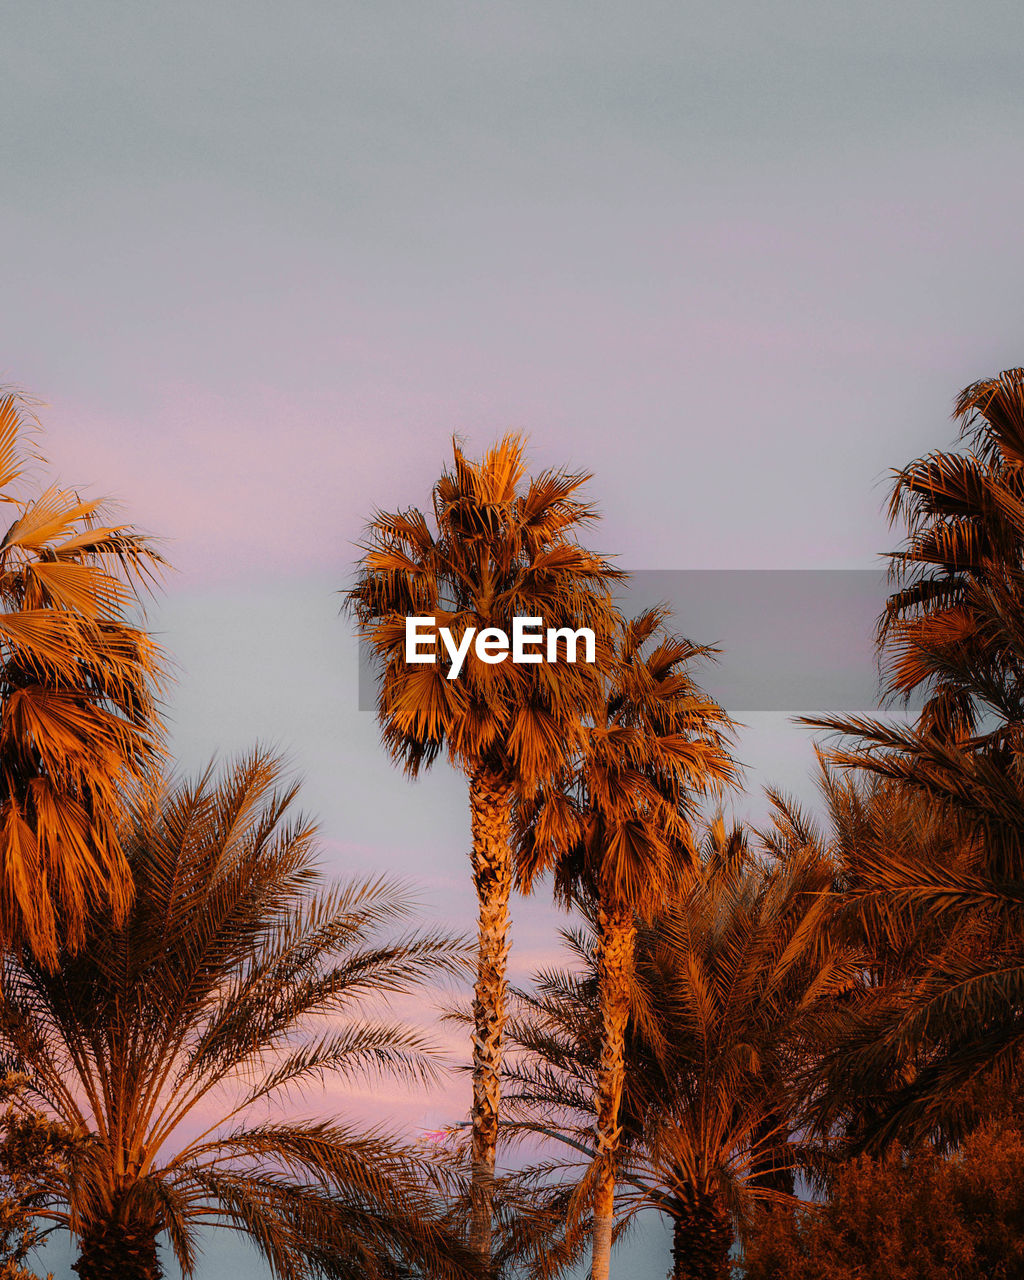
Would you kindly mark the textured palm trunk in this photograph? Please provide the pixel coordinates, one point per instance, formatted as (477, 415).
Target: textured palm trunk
(701, 1240)
(616, 953)
(119, 1251)
(490, 801)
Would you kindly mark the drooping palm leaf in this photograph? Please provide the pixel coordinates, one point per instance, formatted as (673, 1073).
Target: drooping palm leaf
(953, 630)
(79, 723)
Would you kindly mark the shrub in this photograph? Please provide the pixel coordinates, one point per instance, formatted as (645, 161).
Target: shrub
(928, 1217)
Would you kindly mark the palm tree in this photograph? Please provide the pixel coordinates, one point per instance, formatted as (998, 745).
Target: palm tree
(953, 630)
(501, 547)
(617, 826)
(79, 728)
(165, 1041)
(730, 980)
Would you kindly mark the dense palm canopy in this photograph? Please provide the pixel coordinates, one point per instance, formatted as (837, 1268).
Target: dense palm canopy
(730, 980)
(953, 631)
(900, 1052)
(78, 721)
(497, 546)
(617, 828)
(165, 1042)
(738, 1007)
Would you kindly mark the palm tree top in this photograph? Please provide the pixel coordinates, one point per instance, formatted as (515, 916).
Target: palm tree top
(953, 576)
(497, 545)
(80, 683)
(618, 823)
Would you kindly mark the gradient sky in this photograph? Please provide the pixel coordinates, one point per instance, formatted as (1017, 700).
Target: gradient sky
(262, 260)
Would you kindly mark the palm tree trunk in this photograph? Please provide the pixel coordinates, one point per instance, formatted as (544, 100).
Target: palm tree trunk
(114, 1250)
(490, 799)
(615, 959)
(701, 1239)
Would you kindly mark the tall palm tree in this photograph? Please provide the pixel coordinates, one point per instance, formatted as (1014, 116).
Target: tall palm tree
(617, 826)
(953, 630)
(164, 1043)
(79, 727)
(501, 547)
(731, 977)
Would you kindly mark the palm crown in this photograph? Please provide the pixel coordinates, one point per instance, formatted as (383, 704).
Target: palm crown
(730, 978)
(618, 824)
(953, 629)
(617, 827)
(953, 624)
(500, 549)
(79, 728)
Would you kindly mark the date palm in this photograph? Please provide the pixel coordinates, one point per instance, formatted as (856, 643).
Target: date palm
(617, 826)
(953, 630)
(731, 976)
(497, 546)
(165, 1042)
(78, 721)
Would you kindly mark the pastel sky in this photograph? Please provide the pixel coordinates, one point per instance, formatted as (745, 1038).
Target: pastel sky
(262, 260)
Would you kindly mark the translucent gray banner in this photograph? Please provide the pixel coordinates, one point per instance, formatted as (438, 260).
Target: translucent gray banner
(793, 640)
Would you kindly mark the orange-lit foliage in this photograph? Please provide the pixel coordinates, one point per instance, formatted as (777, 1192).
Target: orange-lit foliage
(503, 545)
(78, 722)
(729, 989)
(927, 1218)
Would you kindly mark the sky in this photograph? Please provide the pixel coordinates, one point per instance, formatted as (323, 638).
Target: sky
(261, 261)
